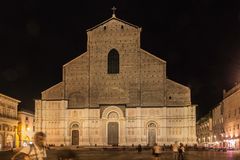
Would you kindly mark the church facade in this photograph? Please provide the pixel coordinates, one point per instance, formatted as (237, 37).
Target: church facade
(116, 94)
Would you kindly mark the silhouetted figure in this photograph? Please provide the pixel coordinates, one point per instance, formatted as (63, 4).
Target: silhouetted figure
(139, 148)
(164, 146)
(180, 152)
(153, 152)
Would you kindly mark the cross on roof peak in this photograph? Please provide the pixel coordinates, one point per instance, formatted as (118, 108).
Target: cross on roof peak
(114, 9)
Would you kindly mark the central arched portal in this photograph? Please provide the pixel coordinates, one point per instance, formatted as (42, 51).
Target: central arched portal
(151, 134)
(113, 116)
(113, 138)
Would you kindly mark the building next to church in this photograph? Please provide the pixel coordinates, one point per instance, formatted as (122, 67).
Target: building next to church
(8, 121)
(25, 129)
(116, 94)
(231, 114)
(205, 130)
(223, 126)
(218, 128)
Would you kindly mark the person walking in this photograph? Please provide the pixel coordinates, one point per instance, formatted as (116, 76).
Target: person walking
(157, 151)
(181, 150)
(175, 150)
(153, 152)
(139, 148)
(35, 151)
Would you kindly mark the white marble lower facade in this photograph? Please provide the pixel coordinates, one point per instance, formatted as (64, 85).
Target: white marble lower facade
(138, 125)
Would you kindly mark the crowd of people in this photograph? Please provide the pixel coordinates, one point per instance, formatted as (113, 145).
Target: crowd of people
(177, 150)
(157, 150)
(37, 150)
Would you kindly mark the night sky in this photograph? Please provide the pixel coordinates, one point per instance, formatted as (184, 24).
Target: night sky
(199, 39)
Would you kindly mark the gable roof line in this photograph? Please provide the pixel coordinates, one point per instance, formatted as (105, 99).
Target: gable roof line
(112, 19)
(153, 55)
(9, 98)
(179, 84)
(74, 59)
(55, 85)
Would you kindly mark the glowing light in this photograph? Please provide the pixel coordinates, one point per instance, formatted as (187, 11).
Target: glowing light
(232, 142)
(24, 144)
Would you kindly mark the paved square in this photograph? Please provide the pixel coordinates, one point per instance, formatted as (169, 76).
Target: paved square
(133, 155)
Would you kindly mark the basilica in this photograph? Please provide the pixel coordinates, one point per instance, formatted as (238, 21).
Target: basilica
(116, 93)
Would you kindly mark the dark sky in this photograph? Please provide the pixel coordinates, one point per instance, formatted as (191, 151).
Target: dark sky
(199, 39)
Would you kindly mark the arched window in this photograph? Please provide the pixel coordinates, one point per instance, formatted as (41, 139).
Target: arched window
(113, 62)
